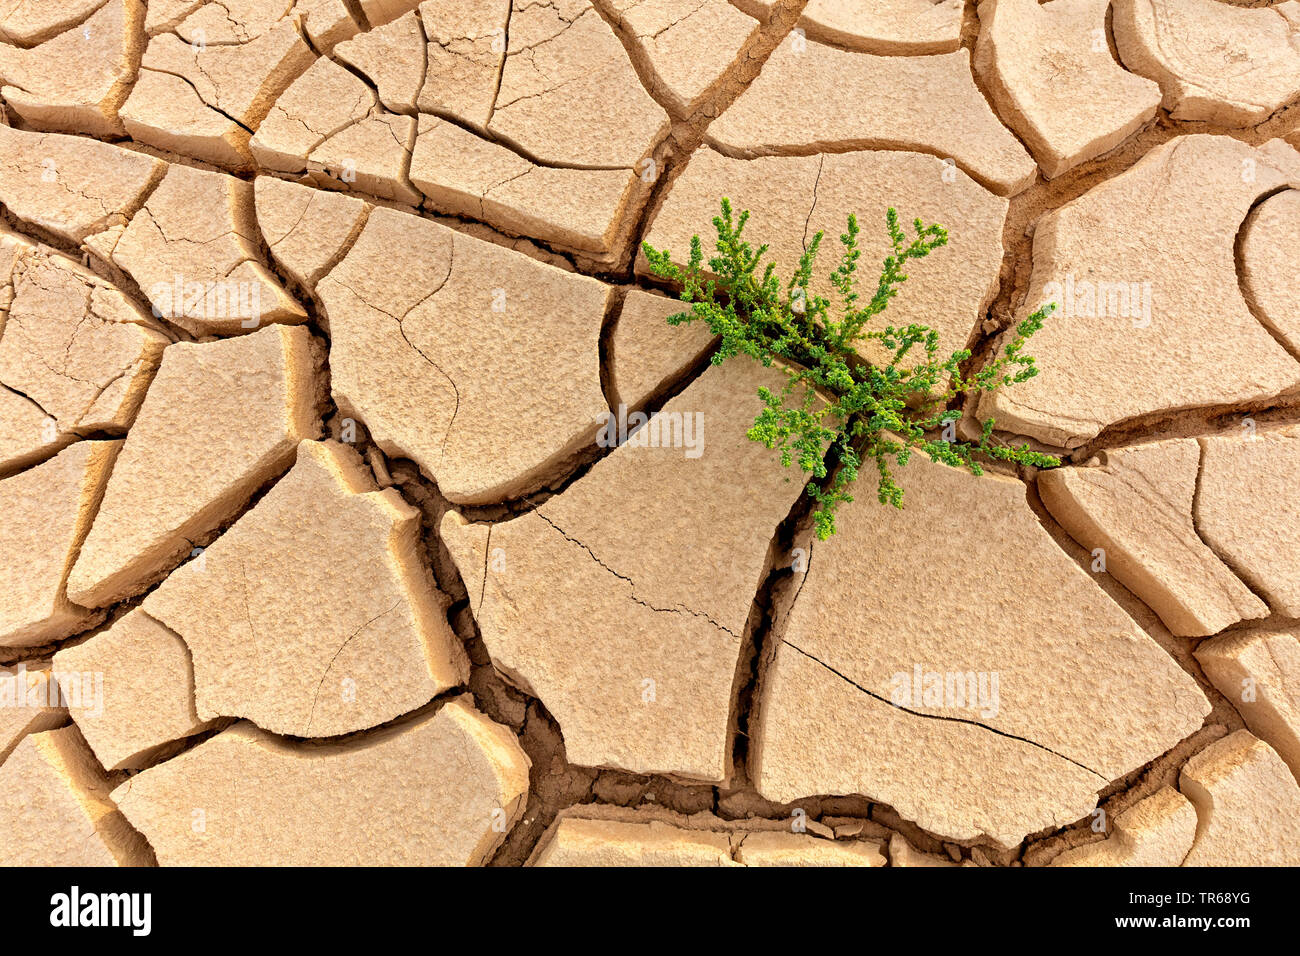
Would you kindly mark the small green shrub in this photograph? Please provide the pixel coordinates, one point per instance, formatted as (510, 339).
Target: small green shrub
(879, 411)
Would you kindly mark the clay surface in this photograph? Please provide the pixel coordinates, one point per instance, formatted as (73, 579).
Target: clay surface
(359, 505)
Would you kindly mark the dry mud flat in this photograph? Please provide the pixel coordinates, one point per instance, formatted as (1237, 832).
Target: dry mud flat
(314, 551)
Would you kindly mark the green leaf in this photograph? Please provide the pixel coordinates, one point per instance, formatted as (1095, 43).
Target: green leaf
(878, 412)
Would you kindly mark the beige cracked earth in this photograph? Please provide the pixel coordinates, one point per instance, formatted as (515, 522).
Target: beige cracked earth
(310, 550)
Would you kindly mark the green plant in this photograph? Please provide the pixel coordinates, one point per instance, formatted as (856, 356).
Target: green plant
(869, 411)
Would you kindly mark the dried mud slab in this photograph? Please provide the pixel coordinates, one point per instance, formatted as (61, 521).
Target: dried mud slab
(1247, 805)
(71, 186)
(465, 175)
(1050, 73)
(326, 22)
(232, 22)
(477, 362)
(814, 98)
(791, 198)
(329, 126)
(1248, 512)
(130, 691)
(902, 853)
(374, 153)
(420, 110)
(324, 100)
(207, 81)
(393, 57)
(688, 46)
(632, 640)
(193, 250)
(27, 434)
(574, 841)
(267, 801)
(1157, 831)
(55, 808)
(1133, 335)
(882, 26)
(348, 633)
(646, 354)
(1259, 673)
(380, 12)
(29, 704)
(1137, 508)
(551, 80)
(307, 230)
(778, 848)
(609, 837)
(465, 50)
(220, 420)
(1215, 62)
(27, 22)
(972, 784)
(1013, 740)
(77, 80)
(1270, 246)
(73, 345)
(568, 93)
(48, 510)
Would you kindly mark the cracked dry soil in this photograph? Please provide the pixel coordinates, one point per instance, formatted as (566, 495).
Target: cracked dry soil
(315, 319)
